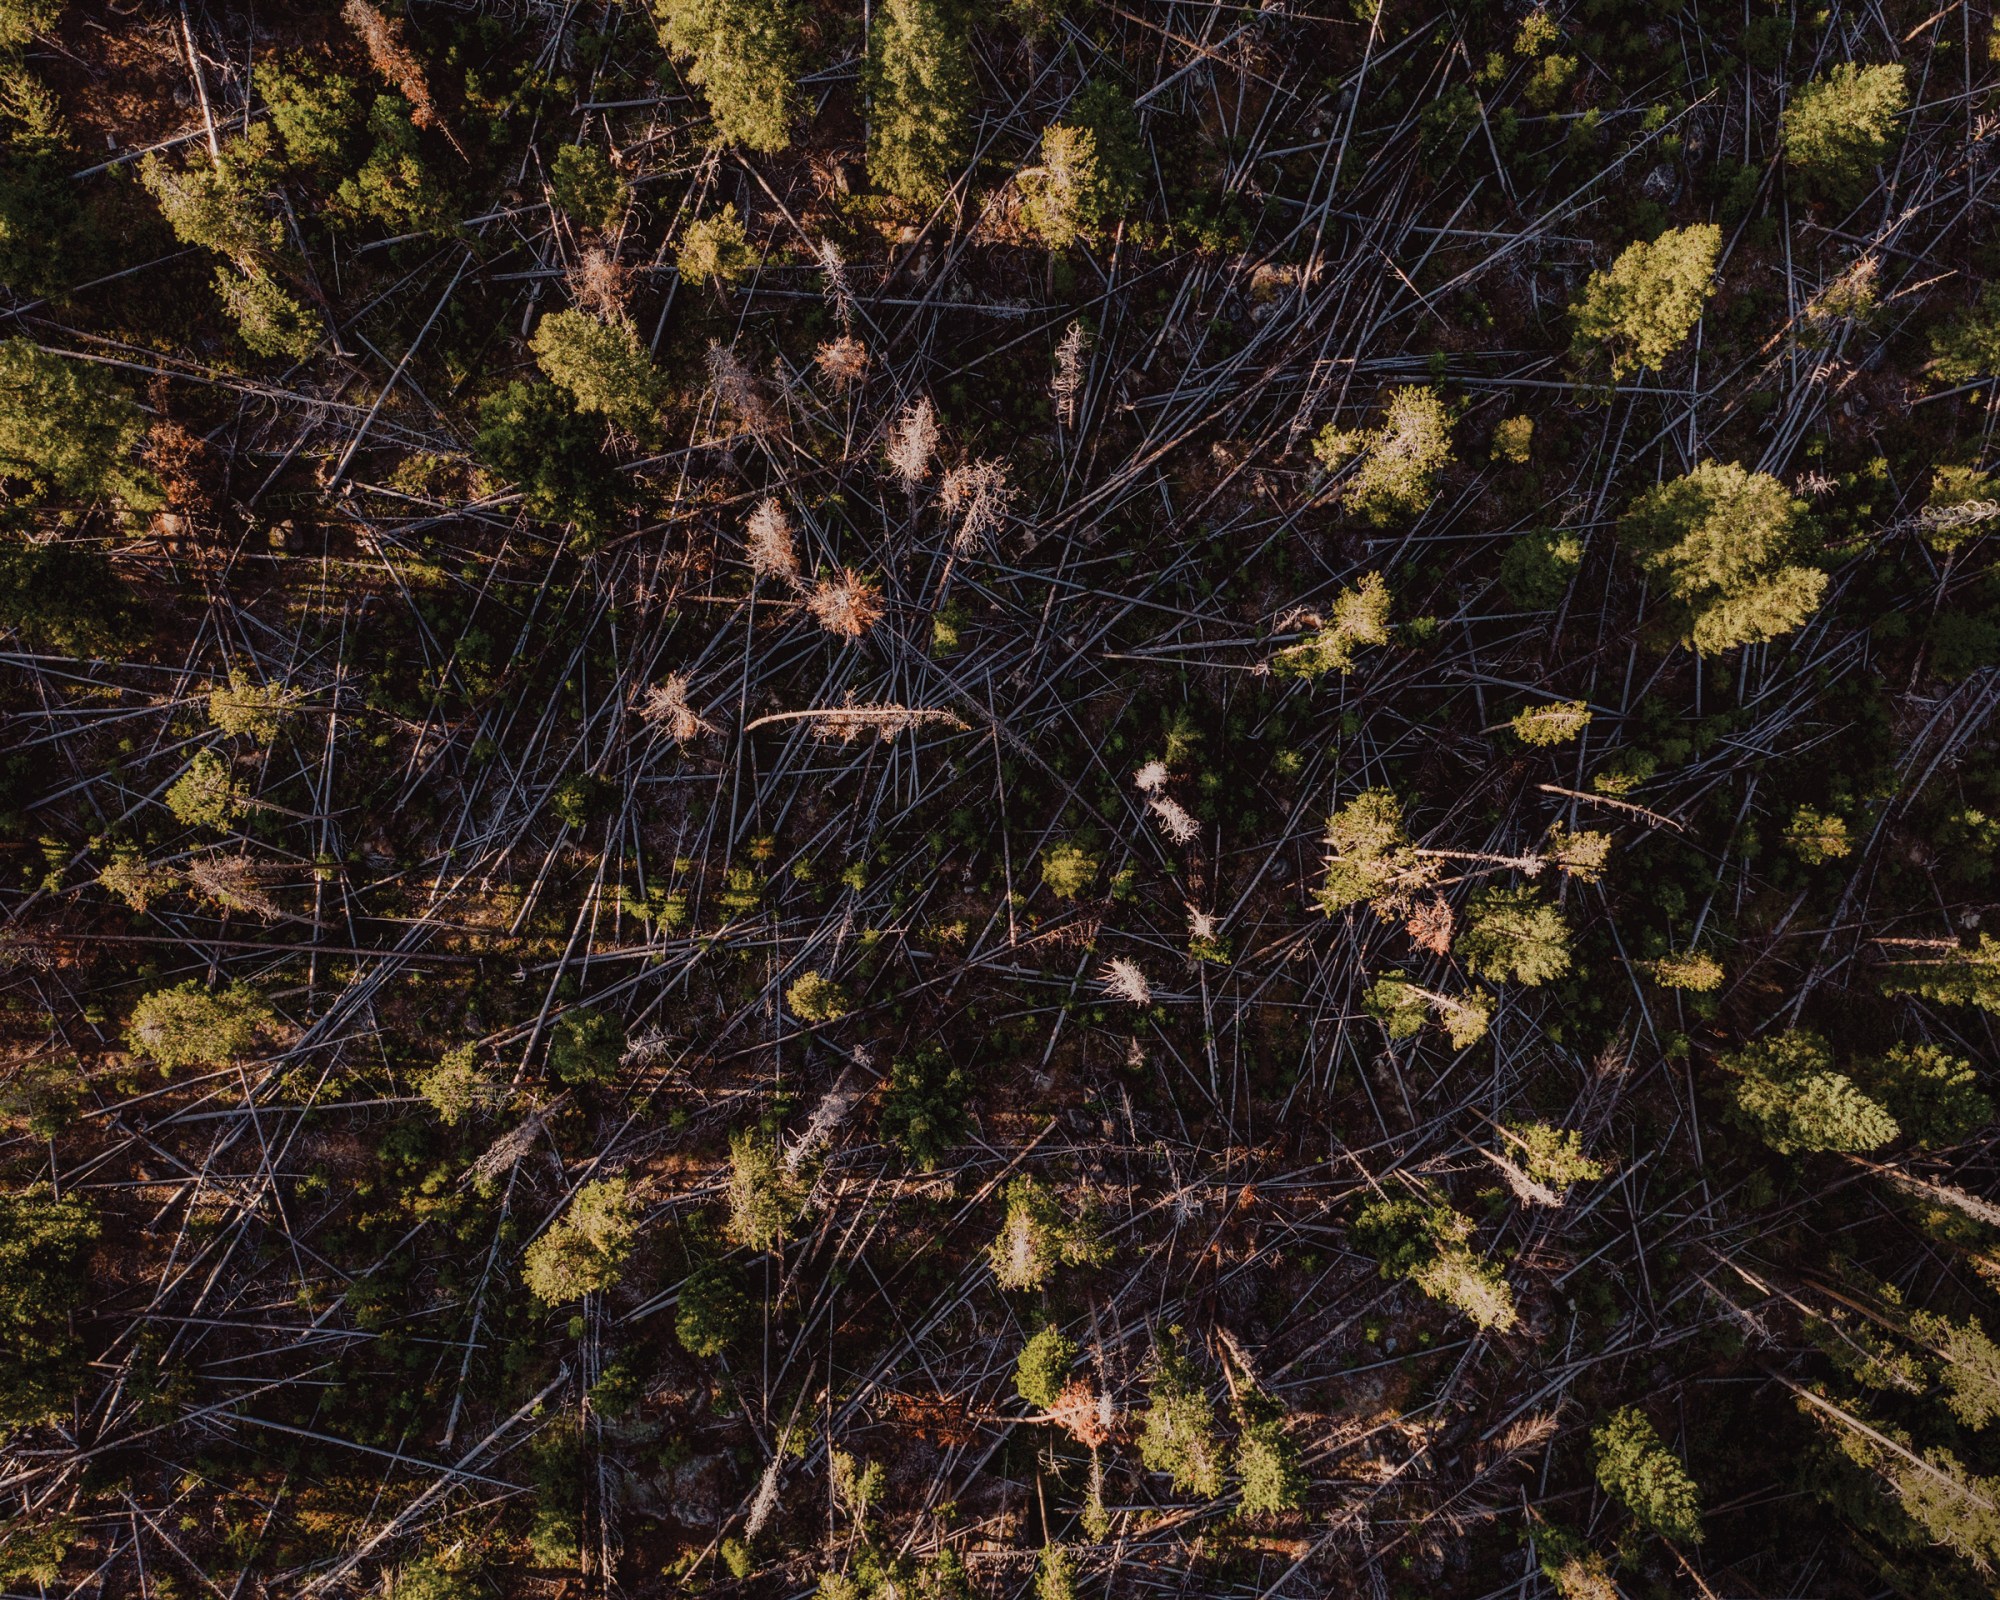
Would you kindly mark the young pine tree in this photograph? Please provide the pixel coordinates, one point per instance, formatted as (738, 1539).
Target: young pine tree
(1787, 1089)
(1731, 547)
(764, 1197)
(602, 366)
(67, 429)
(1088, 175)
(1430, 1245)
(920, 90)
(1397, 463)
(1641, 309)
(1177, 1435)
(1839, 127)
(1036, 1237)
(585, 1249)
(45, 1247)
(1639, 1472)
(1042, 1368)
(745, 55)
(187, 1026)
(1513, 935)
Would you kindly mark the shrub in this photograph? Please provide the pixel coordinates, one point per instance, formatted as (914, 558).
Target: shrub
(45, 1247)
(587, 187)
(1636, 1469)
(1177, 1435)
(746, 57)
(204, 795)
(923, 1110)
(1396, 465)
(457, 1086)
(586, 1048)
(65, 598)
(1729, 546)
(1787, 1090)
(1042, 1368)
(67, 429)
(816, 999)
(715, 250)
(187, 1026)
(1068, 870)
(1510, 934)
(1641, 309)
(713, 1310)
(585, 1250)
(533, 435)
(1838, 128)
(764, 1197)
(919, 86)
(602, 366)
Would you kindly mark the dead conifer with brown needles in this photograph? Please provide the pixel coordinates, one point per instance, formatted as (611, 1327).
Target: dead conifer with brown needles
(847, 604)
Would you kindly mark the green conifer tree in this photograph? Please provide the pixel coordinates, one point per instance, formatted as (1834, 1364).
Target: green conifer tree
(1042, 1368)
(1641, 309)
(188, 1026)
(1396, 464)
(1787, 1089)
(66, 428)
(1177, 1435)
(713, 1311)
(1730, 546)
(603, 367)
(746, 57)
(920, 91)
(585, 1249)
(45, 1247)
(1957, 975)
(1639, 1472)
(764, 1196)
(1514, 935)
(1838, 128)
(923, 1109)
(587, 186)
